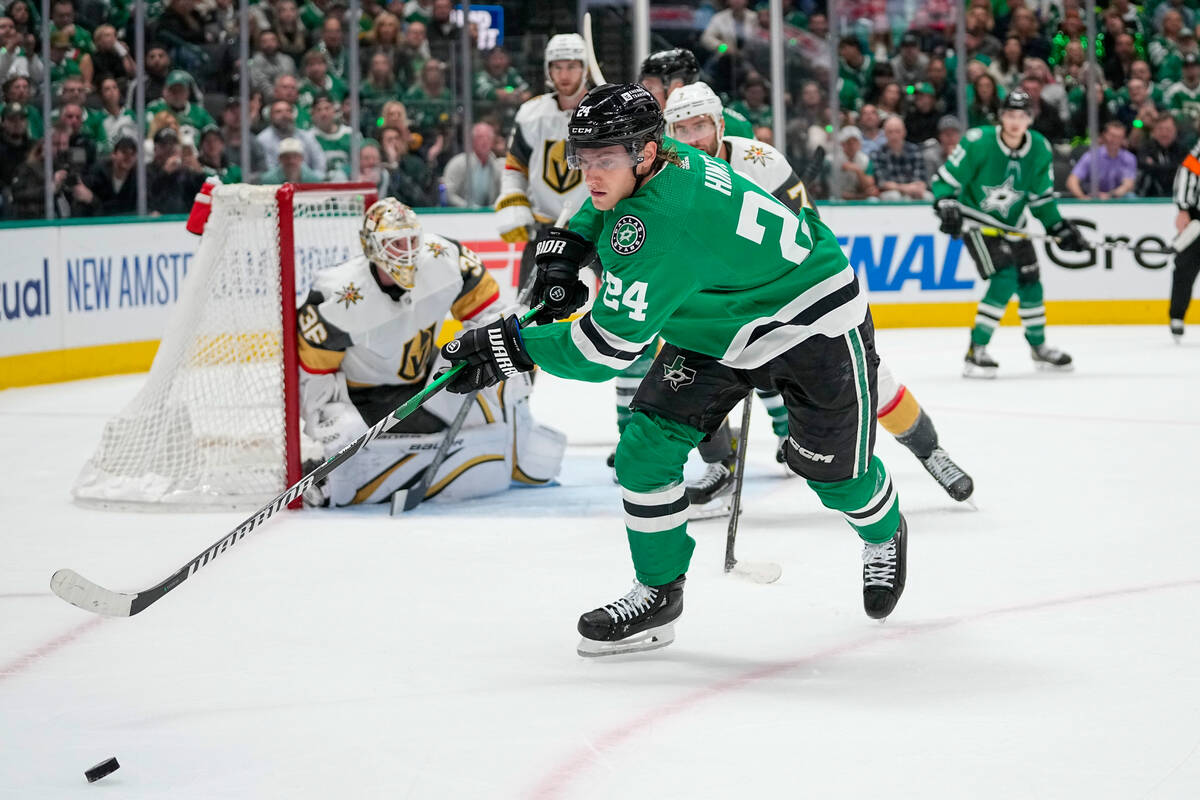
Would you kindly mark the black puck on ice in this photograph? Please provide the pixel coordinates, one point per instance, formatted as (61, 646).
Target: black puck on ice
(100, 770)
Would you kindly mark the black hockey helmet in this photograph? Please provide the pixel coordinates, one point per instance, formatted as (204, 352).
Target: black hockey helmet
(1018, 100)
(669, 65)
(624, 114)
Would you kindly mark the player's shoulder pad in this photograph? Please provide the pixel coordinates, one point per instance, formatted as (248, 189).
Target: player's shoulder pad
(1039, 141)
(758, 160)
(735, 114)
(536, 107)
(974, 134)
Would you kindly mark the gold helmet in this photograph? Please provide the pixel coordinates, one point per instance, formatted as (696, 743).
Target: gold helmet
(391, 238)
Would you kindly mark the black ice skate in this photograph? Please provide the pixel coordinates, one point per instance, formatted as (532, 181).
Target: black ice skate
(644, 619)
(978, 364)
(949, 475)
(1177, 330)
(712, 495)
(611, 462)
(1050, 359)
(883, 573)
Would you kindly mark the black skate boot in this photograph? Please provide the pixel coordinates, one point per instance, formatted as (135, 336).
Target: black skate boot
(1050, 359)
(949, 475)
(978, 364)
(883, 573)
(611, 462)
(1177, 330)
(712, 494)
(644, 619)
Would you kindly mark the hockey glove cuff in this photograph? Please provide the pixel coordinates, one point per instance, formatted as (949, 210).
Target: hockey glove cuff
(559, 256)
(1068, 236)
(950, 213)
(492, 353)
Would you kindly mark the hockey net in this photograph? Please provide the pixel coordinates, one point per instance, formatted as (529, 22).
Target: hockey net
(216, 425)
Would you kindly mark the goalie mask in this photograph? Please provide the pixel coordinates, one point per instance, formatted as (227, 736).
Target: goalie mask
(689, 111)
(391, 239)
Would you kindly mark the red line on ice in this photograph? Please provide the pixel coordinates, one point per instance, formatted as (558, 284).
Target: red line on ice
(557, 781)
(23, 662)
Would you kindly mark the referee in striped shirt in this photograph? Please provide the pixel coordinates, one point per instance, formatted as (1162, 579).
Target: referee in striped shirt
(1187, 242)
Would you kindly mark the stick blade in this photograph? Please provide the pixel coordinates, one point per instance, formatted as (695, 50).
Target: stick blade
(757, 571)
(82, 593)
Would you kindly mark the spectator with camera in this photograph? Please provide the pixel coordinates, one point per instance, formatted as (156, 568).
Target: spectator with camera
(28, 187)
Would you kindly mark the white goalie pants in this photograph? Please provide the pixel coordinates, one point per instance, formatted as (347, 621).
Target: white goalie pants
(499, 443)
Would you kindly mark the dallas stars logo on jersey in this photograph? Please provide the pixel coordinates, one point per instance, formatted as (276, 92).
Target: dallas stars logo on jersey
(349, 295)
(677, 374)
(1000, 198)
(628, 235)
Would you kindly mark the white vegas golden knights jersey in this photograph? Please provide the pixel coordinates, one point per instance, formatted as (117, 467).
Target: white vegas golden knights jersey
(766, 166)
(380, 335)
(536, 167)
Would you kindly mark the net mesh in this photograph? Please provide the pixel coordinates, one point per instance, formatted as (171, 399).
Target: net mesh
(207, 429)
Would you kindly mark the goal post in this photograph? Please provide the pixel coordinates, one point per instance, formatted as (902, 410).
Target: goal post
(216, 426)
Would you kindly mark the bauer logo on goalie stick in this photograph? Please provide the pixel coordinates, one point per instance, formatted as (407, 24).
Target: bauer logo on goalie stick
(628, 235)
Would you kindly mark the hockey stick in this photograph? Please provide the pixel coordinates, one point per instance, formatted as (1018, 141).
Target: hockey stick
(992, 229)
(82, 593)
(757, 571)
(593, 67)
(408, 499)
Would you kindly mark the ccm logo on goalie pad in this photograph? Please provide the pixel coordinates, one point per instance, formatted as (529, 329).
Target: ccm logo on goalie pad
(554, 246)
(503, 361)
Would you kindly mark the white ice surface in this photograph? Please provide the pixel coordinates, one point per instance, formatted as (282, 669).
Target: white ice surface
(1047, 644)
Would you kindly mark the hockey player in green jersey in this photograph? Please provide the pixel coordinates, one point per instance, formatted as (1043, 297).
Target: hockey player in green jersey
(746, 294)
(990, 179)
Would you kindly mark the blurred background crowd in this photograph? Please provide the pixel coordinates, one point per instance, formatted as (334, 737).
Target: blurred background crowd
(873, 98)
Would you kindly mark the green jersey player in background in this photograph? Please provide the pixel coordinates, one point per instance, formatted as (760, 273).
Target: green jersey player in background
(990, 179)
(693, 115)
(746, 294)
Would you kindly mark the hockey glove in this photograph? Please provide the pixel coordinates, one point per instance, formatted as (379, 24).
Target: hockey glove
(950, 213)
(559, 256)
(1068, 236)
(492, 353)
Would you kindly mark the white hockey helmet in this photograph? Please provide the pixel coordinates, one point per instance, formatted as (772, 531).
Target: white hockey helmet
(694, 100)
(565, 47)
(391, 238)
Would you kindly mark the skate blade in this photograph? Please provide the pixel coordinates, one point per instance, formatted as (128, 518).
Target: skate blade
(976, 371)
(1044, 366)
(720, 507)
(651, 639)
(757, 571)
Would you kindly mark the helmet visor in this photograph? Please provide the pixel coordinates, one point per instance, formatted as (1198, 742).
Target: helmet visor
(600, 158)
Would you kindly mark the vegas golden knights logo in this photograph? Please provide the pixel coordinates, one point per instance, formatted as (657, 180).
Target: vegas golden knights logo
(417, 353)
(555, 172)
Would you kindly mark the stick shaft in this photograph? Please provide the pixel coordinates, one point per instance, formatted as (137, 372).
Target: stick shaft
(740, 465)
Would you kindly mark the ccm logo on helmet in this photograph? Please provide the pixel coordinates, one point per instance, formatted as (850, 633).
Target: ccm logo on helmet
(555, 246)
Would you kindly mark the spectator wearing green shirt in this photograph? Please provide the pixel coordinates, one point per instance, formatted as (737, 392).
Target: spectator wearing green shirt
(66, 59)
(312, 14)
(753, 105)
(62, 18)
(498, 86)
(18, 89)
(72, 90)
(214, 159)
(333, 47)
(286, 87)
(379, 87)
(318, 81)
(291, 167)
(333, 137)
(1165, 50)
(176, 101)
(430, 104)
(114, 120)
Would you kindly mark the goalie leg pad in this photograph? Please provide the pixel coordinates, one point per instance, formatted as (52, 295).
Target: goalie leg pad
(539, 449)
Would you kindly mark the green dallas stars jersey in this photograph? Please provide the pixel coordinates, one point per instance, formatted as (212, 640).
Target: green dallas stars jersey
(712, 262)
(995, 184)
(737, 125)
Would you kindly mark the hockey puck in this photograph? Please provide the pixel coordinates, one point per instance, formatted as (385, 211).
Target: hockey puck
(100, 770)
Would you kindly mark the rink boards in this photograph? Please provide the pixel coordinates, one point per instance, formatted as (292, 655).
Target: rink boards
(81, 300)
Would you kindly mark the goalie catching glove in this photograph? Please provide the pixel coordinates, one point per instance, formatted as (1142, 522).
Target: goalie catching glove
(1068, 236)
(491, 352)
(559, 256)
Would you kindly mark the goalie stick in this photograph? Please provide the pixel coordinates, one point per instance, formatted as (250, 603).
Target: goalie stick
(757, 571)
(408, 499)
(82, 593)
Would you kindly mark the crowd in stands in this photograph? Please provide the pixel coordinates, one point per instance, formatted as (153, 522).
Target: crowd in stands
(896, 93)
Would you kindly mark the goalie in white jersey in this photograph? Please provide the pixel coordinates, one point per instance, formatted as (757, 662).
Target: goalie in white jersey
(694, 116)
(366, 345)
(537, 184)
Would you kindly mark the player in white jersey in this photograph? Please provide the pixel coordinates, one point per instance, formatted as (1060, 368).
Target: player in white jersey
(694, 116)
(366, 345)
(537, 184)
